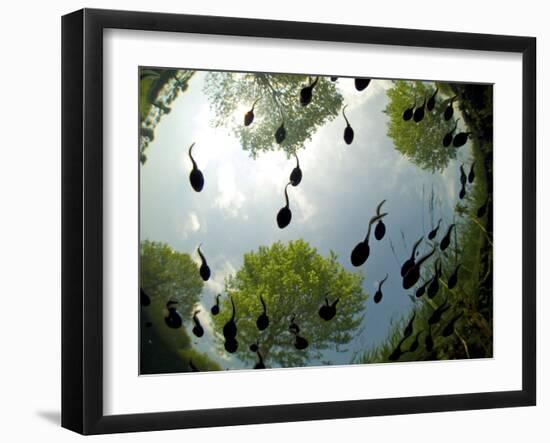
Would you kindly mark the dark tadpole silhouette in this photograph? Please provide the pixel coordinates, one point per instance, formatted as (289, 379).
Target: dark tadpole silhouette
(380, 229)
(280, 133)
(348, 132)
(463, 180)
(328, 310)
(361, 251)
(285, 214)
(422, 289)
(198, 330)
(231, 345)
(448, 139)
(144, 299)
(436, 315)
(429, 341)
(249, 116)
(419, 112)
(408, 113)
(449, 110)
(254, 347)
(293, 327)
(260, 364)
(333, 79)
(472, 174)
(446, 241)
(195, 176)
(204, 270)
(413, 275)
(462, 192)
(262, 322)
(431, 102)
(463, 177)
(230, 331)
(300, 342)
(193, 367)
(397, 352)
(173, 319)
(306, 94)
(361, 83)
(433, 232)
(407, 332)
(433, 287)
(148, 324)
(409, 263)
(296, 174)
(449, 329)
(230, 328)
(215, 310)
(378, 295)
(414, 345)
(460, 139)
(483, 208)
(453, 279)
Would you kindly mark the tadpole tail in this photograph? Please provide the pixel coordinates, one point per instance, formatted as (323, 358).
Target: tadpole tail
(191, 156)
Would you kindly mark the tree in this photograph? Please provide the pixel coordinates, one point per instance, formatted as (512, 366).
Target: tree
(158, 88)
(231, 95)
(292, 279)
(421, 143)
(168, 275)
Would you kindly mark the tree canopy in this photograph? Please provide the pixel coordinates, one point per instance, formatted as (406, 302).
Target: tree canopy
(231, 95)
(165, 275)
(158, 88)
(293, 280)
(420, 142)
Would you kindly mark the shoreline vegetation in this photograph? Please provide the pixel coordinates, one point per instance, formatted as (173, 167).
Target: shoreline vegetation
(465, 329)
(473, 295)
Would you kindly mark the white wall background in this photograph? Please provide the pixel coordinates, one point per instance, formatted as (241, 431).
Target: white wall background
(30, 58)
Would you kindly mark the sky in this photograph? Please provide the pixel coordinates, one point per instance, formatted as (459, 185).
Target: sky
(340, 190)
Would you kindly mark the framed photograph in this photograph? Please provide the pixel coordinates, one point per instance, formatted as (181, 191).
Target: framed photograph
(270, 221)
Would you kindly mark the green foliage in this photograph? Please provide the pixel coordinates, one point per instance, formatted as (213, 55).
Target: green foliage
(162, 87)
(420, 142)
(472, 247)
(231, 95)
(199, 360)
(293, 280)
(166, 274)
(381, 352)
(144, 104)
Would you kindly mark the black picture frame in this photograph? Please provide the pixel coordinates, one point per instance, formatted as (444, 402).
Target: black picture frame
(82, 220)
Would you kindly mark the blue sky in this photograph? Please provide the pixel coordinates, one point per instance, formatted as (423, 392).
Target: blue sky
(341, 187)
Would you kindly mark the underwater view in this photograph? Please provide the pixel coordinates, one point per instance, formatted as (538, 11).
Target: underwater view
(305, 220)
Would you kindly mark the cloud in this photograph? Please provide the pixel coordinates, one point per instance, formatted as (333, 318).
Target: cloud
(216, 283)
(354, 98)
(340, 189)
(230, 199)
(191, 224)
(306, 209)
